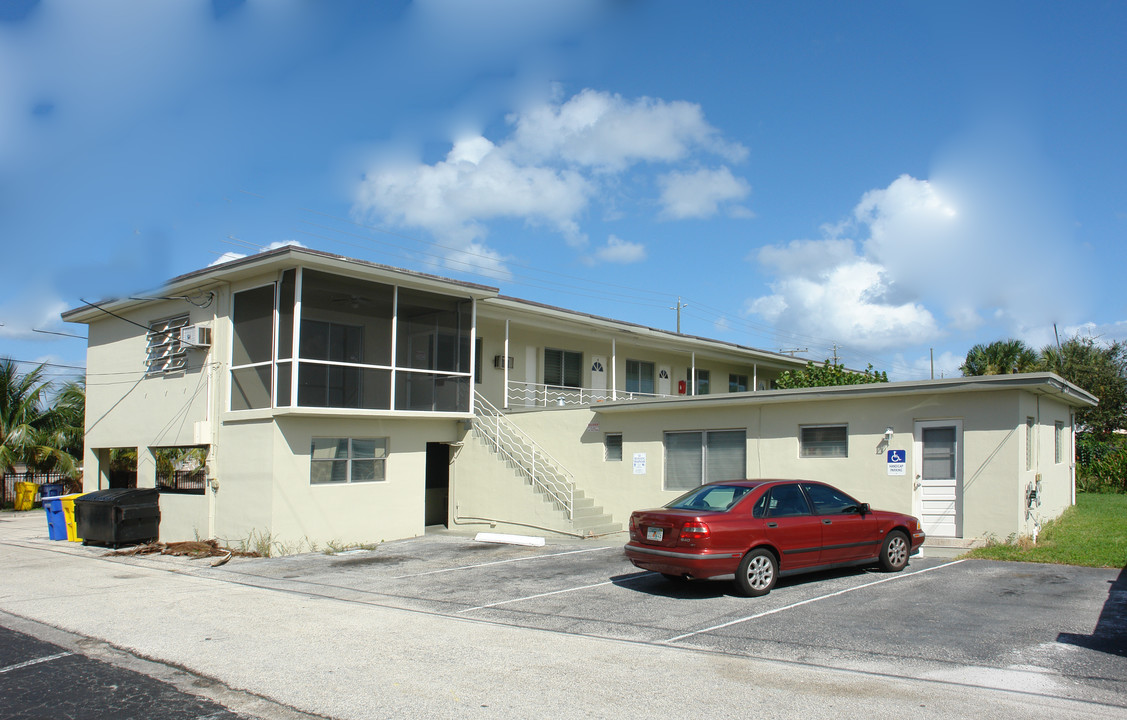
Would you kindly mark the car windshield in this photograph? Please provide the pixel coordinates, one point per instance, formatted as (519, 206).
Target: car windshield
(719, 498)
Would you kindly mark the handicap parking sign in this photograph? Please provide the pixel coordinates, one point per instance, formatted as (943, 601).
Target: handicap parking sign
(897, 462)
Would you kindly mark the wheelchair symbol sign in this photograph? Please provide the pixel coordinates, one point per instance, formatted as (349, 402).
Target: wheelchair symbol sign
(897, 462)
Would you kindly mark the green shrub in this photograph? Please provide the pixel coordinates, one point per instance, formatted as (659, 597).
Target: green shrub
(1101, 465)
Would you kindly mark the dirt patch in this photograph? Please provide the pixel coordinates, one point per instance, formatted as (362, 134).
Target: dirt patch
(189, 548)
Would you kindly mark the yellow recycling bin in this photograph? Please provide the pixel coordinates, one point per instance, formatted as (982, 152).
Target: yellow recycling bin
(68, 514)
(25, 495)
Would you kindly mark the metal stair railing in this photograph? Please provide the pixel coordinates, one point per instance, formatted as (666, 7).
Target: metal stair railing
(538, 467)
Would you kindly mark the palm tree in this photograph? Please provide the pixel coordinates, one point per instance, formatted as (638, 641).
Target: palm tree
(1000, 357)
(69, 427)
(27, 428)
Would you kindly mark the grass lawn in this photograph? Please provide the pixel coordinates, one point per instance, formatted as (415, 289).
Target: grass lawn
(1093, 534)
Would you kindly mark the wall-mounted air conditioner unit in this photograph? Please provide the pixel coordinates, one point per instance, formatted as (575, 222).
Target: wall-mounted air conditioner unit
(198, 336)
(499, 361)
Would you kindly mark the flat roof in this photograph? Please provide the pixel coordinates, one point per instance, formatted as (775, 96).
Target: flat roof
(1038, 383)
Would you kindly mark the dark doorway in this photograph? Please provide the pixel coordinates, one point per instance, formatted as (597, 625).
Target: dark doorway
(438, 484)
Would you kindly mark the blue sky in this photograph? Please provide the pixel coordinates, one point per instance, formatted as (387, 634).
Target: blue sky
(887, 179)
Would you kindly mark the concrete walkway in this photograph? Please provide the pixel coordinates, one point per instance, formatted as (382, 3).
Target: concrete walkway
(278, 653)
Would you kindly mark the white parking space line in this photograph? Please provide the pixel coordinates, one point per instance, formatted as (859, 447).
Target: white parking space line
(805, 602)
(36, 661)
(554, 592)
(502, 562)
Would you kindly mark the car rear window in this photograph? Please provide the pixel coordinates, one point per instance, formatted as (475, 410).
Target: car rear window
(719, 498)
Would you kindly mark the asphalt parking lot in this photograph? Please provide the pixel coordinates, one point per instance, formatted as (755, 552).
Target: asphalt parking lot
(443, 626)
(1049, 630)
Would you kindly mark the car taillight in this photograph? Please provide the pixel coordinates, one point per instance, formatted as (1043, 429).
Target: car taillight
(694, 531)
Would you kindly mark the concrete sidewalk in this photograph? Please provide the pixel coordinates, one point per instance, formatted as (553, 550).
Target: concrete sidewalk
(332, 655)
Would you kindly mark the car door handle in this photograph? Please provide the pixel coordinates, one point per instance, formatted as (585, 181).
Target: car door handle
(827, 521)
(773, 524)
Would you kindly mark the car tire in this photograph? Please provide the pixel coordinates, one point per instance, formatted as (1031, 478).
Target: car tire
(757, 573)
(894, 552)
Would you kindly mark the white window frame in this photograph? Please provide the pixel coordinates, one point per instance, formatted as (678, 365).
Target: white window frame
(379, 461)
(641, 378)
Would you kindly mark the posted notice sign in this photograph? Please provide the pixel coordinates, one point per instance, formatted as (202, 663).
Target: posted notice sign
(897, 462)
(639, 463)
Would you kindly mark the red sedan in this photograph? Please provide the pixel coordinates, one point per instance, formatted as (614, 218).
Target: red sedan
(760, 530)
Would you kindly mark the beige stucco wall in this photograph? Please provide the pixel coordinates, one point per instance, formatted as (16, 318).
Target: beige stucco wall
(992, 462)
(267, 490)
(184, 517)
(124, 408)
(488, 495)
(1056, 477)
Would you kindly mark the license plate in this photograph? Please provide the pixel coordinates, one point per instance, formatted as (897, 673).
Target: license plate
(654, 533)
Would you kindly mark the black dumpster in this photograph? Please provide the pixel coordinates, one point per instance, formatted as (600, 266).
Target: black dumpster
(119, 516)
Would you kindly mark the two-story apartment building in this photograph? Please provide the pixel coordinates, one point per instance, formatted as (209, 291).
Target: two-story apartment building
(341, 401)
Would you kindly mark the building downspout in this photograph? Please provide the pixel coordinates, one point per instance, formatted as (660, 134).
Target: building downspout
(214, 389)
(1072, 453)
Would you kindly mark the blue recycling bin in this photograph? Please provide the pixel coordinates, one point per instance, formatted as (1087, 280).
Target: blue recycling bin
(49, 490)
(56, 518)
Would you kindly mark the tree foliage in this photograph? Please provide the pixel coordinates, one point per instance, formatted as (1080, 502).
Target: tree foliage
(1000, 357)
(31, 433)
(829, 374)
(1101, 369)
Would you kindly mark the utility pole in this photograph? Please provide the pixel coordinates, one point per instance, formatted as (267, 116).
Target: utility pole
(678, 308)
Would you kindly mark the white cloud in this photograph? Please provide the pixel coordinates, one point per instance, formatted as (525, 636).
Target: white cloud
(845, 302)
(620, 251)
(37, 310)
(983, 242)
(476, 182)
(231, 256)
(559, 158)
(477, 258)
(699, 194)
(601, 130)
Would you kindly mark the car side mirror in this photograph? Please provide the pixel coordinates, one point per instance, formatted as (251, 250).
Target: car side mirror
(864, 509)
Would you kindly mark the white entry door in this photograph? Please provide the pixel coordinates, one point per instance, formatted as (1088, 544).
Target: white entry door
(937, 497)
(599, 378)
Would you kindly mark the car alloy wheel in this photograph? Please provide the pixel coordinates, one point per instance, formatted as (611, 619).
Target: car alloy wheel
(894, 553)
(757, 573)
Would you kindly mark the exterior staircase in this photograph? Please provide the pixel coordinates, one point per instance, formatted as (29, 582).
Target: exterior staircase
(543, 473)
